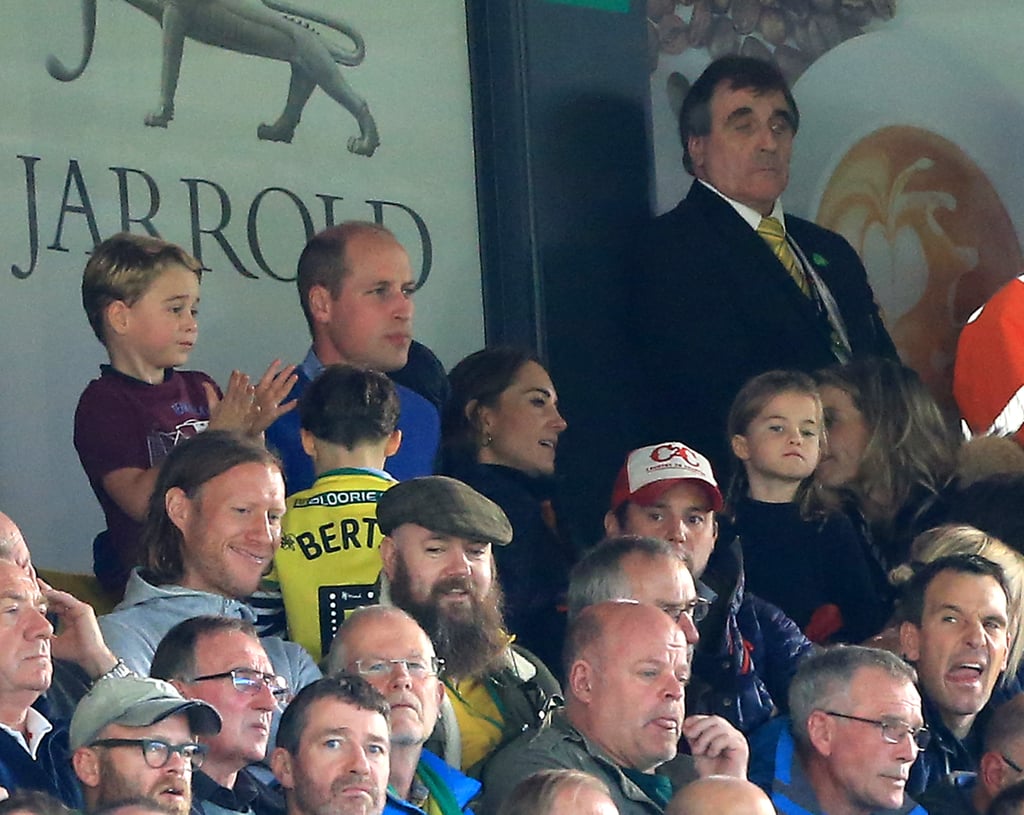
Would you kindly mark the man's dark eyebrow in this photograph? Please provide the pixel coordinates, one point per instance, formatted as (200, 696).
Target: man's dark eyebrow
(739, 113)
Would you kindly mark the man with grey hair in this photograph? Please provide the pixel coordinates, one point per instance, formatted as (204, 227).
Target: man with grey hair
(387, 647)
(648, 570)
(854, 731)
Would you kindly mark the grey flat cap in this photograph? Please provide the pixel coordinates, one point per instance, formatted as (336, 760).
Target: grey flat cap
(446, 505)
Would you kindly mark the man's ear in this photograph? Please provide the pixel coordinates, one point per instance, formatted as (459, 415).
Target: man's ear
(581, 681)
(179, 507)
(611, 524)
(695, 147)
(388, 555)
(394, 442)
(910, 641)
(281, 767)
(821, 730)
(740, 448)
(319, 300)
(87, 766)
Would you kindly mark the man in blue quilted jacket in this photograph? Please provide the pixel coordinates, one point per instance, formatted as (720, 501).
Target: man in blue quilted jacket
(749, 650)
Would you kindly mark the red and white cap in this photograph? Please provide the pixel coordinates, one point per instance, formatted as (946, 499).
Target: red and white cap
(650, 471)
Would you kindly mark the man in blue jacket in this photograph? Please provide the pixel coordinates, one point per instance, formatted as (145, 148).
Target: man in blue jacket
(749, 650)
(389, 650)
(855, 731)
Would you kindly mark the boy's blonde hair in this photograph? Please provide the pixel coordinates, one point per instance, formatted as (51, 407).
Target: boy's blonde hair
(123, 267)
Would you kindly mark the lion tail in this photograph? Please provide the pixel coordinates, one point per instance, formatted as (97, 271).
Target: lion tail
(343, 56)
(56, 68)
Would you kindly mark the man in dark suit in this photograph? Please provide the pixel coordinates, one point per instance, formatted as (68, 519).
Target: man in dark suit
(718, 301)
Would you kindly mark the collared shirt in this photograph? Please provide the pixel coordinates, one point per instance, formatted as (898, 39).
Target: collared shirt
(749, 214)
(249, 795)
(822, 297)
(37, 726)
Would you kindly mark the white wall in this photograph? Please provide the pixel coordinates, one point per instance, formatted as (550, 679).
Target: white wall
(415, 78)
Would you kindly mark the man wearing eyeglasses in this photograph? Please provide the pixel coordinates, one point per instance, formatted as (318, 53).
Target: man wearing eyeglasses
(748, 649)
(854, 731)
(389, 650)
(136, 737)
(648, 570)
(220, 660)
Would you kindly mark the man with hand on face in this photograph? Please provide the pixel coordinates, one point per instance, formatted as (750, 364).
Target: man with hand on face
(627, 667)
(749, 650)
(955, 630)
(333, 749)
(136, 737)
(213, 526)
(356, 286)
(652, 571)
(855, 728)
(438, 567)
(37, 694)
(761, 289)
(389, 650)
(220, 661)
(79, 654)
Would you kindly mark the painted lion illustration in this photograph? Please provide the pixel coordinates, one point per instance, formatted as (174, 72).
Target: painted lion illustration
(264, 28)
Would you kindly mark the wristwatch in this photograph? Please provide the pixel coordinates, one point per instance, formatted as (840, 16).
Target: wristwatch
(119, 671)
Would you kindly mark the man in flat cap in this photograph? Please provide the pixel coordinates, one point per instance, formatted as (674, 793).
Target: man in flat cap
(438, 567)
(136, 737)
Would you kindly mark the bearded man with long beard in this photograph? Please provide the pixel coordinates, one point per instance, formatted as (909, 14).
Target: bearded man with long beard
(438, 567)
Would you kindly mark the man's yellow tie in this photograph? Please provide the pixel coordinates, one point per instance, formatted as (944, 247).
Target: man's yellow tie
(771, 230)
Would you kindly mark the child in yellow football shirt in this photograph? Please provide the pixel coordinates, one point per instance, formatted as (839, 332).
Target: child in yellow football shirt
(329, 559)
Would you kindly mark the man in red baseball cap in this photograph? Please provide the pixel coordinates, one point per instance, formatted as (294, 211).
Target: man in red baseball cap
(748, 650)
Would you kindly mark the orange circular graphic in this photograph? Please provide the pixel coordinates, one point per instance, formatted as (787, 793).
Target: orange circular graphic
(933, 234)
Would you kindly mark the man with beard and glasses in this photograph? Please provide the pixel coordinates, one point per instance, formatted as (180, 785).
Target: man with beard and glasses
(134, 736)
(438, 566)
(389, 650)
(333, 749)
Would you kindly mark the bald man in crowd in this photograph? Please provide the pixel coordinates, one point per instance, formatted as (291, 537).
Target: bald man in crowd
(627, 666)
(720, 795)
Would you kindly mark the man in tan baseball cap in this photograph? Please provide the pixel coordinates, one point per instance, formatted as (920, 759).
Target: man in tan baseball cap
(135, 737)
